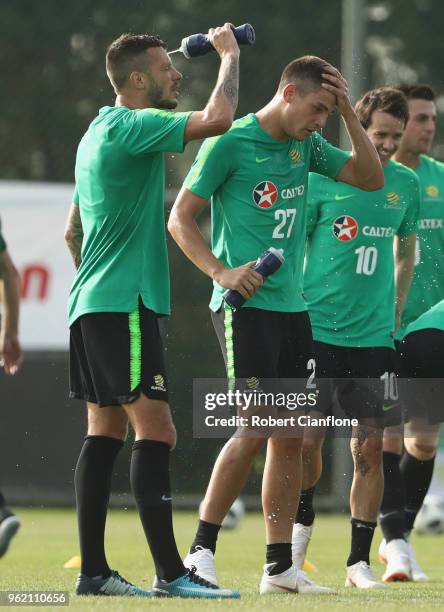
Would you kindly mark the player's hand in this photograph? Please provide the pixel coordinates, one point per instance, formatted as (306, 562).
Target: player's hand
(223, 40)
(243, 279)
(338, 86)
(10, 354)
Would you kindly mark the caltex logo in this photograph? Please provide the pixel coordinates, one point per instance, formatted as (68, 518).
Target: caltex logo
(345, 228)
(265, 194)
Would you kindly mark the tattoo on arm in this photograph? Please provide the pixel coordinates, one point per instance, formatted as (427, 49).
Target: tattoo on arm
(229, 86)
(74, 235)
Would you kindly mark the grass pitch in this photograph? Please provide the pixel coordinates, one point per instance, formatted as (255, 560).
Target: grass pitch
(48, 538)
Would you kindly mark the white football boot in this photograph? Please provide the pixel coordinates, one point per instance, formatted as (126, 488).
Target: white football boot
(360, 575)
(203, 561)
(418, 575)
(397, 556)
(290, 581)
(299, 543)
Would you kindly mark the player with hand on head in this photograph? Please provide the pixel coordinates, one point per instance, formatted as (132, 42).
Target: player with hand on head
(10, 361)
(360, 256)
(116, 235)
(408, 472)
(256, 175)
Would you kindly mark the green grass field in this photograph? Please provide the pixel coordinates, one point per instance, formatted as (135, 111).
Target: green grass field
(48, 539)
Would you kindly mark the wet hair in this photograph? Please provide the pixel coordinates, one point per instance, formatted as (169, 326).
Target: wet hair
(127, 53)
(385, 99)
(417, 92)
(305, 72)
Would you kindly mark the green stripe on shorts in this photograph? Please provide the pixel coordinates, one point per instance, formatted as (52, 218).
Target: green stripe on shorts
(135, 348)
(228, 322)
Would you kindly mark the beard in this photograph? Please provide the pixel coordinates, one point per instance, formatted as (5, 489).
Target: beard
(157, 98)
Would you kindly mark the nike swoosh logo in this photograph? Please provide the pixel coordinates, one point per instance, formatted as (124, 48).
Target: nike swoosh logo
(284, 588)
(339, 197)
(260, 160)
(386, 408)
(386, 514)
(166, 498)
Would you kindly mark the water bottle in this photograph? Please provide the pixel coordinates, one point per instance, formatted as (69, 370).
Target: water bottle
(269, 262)
(198, 44)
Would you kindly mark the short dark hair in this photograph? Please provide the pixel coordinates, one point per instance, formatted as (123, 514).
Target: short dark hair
(418, 92)
(126, 54)
(305, 72)
(385, 99)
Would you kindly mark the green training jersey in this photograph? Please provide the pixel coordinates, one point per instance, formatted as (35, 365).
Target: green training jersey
(349, 272)
(2, 240)
(120, 178)
(257, 186)
(432, 319)
(428, 281)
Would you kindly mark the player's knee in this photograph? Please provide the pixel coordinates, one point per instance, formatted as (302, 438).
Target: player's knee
(310, 448)
(423, 451)
(372, 451)
(286, 446)
(246, 447)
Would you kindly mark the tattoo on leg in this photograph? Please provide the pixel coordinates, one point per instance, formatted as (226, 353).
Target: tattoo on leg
(358, 442)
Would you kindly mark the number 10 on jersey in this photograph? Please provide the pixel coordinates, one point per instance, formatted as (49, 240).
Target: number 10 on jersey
(367, 258)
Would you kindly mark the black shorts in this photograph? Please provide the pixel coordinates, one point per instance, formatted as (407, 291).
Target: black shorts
(421, 357)
(361, 381)
(116, 356)
(260, 346)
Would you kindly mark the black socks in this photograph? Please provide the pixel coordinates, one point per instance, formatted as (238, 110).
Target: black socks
(150, 481)
(391, 516)
(280, 555)
(206, 536)
(417, 476)
(92, 480)
(361, 541)
(306, 513)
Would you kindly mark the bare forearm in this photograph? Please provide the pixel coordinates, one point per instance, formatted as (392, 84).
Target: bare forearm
(10, 302)
(404, 269)
(403, 280)
(367, 166)
(75, 248)
(223, 101)
(74, 234)
(189, 238)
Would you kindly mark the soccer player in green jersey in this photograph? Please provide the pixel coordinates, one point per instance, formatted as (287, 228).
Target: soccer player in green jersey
(408, 471)
(256, 175)
(116, 234)
(10, 360)
(352, 282)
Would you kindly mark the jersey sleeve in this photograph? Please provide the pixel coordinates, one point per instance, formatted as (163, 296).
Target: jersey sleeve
(313, 202)
(212, 166)
(154, 131)
(75, 196)
(325, 158)
(409, 224)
